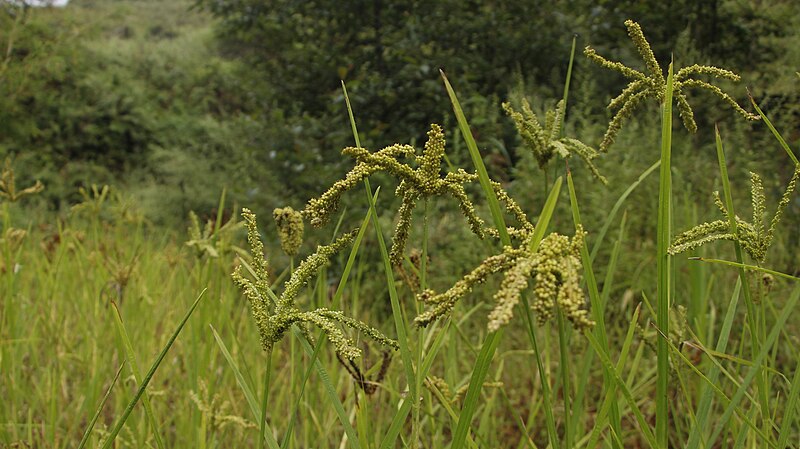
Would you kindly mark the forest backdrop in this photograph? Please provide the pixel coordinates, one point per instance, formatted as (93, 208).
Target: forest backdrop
(168, 102)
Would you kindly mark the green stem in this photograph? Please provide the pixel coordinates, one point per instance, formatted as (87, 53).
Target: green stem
(563, 346)
(423, 268)
(264, 400)
(663, 267)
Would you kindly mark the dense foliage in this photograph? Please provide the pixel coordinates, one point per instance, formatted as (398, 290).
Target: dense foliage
(125, 120)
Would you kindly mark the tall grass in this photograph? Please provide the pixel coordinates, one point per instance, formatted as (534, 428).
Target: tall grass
(644, 375)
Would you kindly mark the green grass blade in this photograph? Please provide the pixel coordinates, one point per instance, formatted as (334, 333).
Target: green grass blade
(321, 338)
(745, 266)
(493, 339)
(706, 397)
(775, 132)
(401, 325)
(330, 390)
(396, 425)
(246, 390)
(564, 368)
(137, 375)
(474, 390)
(565, 97)
(400, 415)
(397, 311)
(614, 210)
(626, 392)
(588, 356)
(595, 299)
(262, 423)
(663, 265)
(754, 313)
(791, 304)
(93, 421)
(791, 405)
(149, 376)
(716, 389)
(350, 114)
(480, 168)
(611, 393)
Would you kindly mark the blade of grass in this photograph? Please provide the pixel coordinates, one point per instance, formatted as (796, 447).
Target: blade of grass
(587, 361)
(262, 423)
(480, 168)
(93, 421)
(614, 210)
(565, 97)
(321, 338)
(397, 312)
(754, 313)
(400, 323)
(598, 306)
(330, 390)
(562, 334)
(564, 368)
(663, 266)
(249, 396)
(149, 376)
(791, 304)
(775, 132)
(704, 406)
(137, 375)
(611, 393)
(400, 416)
(716, 389)
(492, 339)
(791, 404)
(746, 267)
(626, 392)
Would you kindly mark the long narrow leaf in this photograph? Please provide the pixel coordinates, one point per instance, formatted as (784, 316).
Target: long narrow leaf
(480, 168)
(137, 375)
(663, 265)
(595, 299)
(493, 339)
(775, 132)
(333, 396)
(89, 428)
(790, 306)
(149, 376)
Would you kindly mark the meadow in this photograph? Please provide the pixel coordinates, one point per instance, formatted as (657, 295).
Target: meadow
(635, 291)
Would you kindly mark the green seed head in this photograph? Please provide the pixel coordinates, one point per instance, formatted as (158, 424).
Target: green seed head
(290, 229)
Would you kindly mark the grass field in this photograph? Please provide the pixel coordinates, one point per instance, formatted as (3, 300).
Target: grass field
(117, 333)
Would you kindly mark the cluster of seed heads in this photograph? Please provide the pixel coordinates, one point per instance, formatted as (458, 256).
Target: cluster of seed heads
(275, 315)
(554, 266)
(653, 85)
(755, 238)
(215, 410)
(8, 185)
(208, 239)
(546, 142)
(415, 183)
(436, 384)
